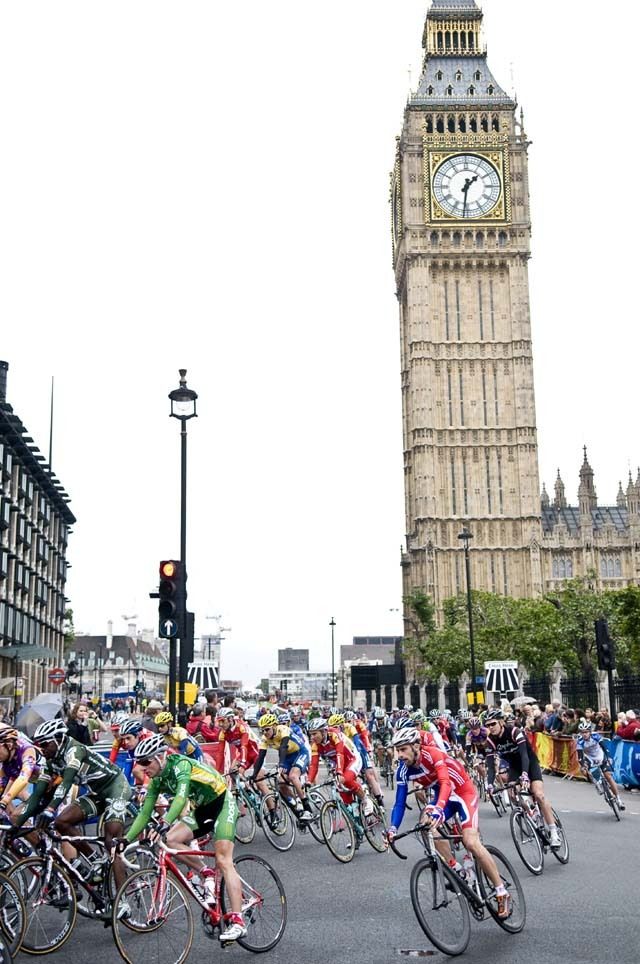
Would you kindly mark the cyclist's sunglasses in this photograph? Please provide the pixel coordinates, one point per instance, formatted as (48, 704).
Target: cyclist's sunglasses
(144, 761)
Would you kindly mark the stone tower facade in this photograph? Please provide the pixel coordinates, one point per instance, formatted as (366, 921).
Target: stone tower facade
(461, 244)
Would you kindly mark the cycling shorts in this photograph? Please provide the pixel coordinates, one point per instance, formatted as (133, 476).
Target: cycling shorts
(367, 759)
(301, 759)
(605, 766)
(112, 801)
(218, 817)
(464, 803)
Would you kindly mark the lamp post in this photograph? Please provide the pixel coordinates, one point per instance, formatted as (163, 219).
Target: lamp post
(333, 663)
(183, 407)
(466, 536)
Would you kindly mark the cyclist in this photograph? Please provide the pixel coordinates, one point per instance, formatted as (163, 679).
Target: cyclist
(359, 734)
(20, 765)
(456, 795)
(293, 763)
(176, 736)
(508, 743)
(424, 725)
(131, 732)
(342, 757)
(381, 733)
(76, 764)
(214, 810)
(234, 733)
(591, 753)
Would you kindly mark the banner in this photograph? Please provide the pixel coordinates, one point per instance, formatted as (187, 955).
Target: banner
(556, 753)
(626, 761)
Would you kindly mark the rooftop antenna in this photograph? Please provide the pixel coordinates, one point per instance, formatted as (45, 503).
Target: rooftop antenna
(51, 426)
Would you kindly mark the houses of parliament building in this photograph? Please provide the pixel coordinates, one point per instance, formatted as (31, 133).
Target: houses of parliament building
(461, 245)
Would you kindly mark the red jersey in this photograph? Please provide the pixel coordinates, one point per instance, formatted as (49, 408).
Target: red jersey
(338, 749)
(434, 766)
(243, 741)
(197, 726)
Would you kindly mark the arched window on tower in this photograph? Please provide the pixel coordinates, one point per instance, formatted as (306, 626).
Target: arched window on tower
(457, 239)
(451, 124)
(462, 124)
(429, 124)
(440, 125)
(440, 40)
(455, 39)
(430, 90)
(463, 40)
(439, 75)
(477, 75)
(471, 40)
(447, 40)
(480, 239)
(471, 91)
(473, 124)
(458, 75)
(434, 239)
(502, 239)
(449, 91)
(484, 123)
(495, 123)
(491, 89)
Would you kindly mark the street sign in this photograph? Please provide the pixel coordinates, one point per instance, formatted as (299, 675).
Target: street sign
(57, 676)
(168, 628)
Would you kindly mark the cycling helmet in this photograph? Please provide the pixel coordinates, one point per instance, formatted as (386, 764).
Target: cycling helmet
(583, 727)
(7, 733)
(162, 718)
(349, 716)
(408, 708)
(284, 718)
(131, 728)
(336, 719)
(464, 714)
(118, 718)
(435, 714)
(152, 746)
(51, 731)
(417, 717)
(491, 715)
(268, 719)
(226, 713)
(379, 713)
(475, 723)
(404, 723)
(317, 724)
(405, 735)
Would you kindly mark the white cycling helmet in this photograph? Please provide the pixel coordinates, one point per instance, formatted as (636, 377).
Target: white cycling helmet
(405, 735)
(51, 731)
(228, 713)
(152, 746)
(317, 723)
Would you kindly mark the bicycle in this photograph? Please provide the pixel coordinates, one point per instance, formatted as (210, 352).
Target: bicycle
(443, 899)
(529, 832)
(55, 890)
(595, 776)
(344, 824)
(13, 916)
(152, 916)
(386, 765)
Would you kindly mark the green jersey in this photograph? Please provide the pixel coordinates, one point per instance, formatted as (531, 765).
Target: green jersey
(184, 779)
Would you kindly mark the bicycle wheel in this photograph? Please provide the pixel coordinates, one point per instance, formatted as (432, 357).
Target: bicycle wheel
(316, 802)
(375, 828)
(527, 841)
(561, 853)
(611, 800)
(246, 822)
(6, 956)
(518, 914)
(152, 920)
(277, 825)
(264, 903)
(440, 906)
(338, 831)
(13, 917)
(496, 800)
(50, 904)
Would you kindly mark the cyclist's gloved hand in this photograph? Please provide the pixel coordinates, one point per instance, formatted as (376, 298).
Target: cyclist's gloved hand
(159, 829)
(46, 817)
(524, 780)
(391, 832)
(433, 815)
(118, 845)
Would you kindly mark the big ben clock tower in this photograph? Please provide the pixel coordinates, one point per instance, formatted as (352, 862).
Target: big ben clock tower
(461, 243)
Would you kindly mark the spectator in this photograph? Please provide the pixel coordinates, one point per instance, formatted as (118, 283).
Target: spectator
(631, 729)
(570, 722)
(96, 726)
(554, 721)
(148, 719)
(194, 723)
(603, 721)
(77, 724)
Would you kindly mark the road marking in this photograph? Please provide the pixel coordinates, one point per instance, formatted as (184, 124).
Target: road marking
(407, 953)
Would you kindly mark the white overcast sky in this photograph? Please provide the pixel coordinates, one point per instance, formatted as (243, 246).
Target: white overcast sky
(205, 185)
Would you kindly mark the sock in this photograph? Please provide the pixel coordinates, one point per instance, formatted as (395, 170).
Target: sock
(501, 890)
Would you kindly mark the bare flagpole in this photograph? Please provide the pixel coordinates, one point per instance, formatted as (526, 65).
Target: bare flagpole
(51, 426)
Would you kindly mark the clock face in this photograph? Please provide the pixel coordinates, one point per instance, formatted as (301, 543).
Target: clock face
(466, 186)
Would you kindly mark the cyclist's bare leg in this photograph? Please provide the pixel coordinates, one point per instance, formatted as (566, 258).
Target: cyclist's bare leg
(471, 840)
(179, 838)
(537, 791)
(372, 781)
(224, 861)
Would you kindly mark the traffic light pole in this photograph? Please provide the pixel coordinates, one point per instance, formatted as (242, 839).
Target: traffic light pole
(183, 667)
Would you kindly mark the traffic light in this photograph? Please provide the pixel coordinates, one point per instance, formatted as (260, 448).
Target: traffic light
(171, 598)
(604, 645)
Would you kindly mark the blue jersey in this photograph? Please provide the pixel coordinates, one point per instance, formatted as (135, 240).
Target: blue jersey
(591, 748)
